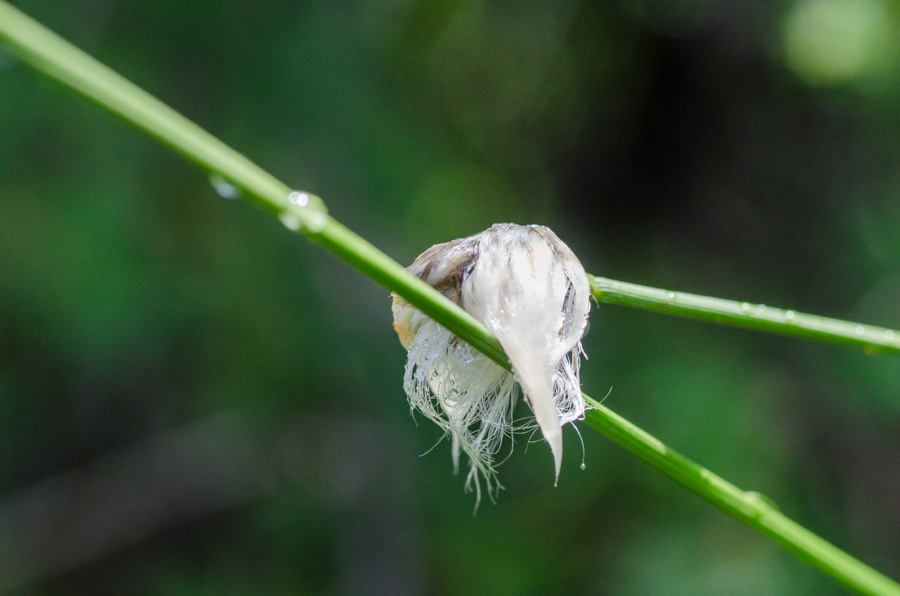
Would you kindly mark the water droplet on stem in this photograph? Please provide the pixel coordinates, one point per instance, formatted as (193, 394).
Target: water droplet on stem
(306, 211)
(223, 187)
(301, 199)
(290, 221)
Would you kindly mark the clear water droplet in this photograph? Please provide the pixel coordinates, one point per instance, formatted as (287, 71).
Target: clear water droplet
(888, 334)
(583, 466)
(761, 307)
(290, 221)
(311, 212)
(745, 306)
(301, 199)
(789, 314)
(671, 295)
(860, 330)
(223, 187)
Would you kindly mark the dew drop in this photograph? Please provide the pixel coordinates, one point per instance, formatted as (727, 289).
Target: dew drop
(888, 334)
(671, 295)
(290, 221)
(745, 306)
(860, 330)
(761, 307)
(223, 188)
(789, 314)
(583, 466)
(301, 199)
(314, 217)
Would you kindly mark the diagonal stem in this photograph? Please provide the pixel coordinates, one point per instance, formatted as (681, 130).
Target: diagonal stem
(50, 54)
(751, 508)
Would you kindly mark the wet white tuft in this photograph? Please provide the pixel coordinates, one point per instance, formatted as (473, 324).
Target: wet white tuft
(531, 291)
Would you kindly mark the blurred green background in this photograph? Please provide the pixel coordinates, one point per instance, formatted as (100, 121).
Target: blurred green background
(193, 400)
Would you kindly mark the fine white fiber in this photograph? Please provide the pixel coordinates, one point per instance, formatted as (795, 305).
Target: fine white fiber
(526, 286)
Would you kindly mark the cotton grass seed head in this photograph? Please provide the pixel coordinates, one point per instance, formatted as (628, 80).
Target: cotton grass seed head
(530, 290)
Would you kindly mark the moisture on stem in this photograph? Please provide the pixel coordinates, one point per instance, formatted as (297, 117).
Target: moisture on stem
(745, 314)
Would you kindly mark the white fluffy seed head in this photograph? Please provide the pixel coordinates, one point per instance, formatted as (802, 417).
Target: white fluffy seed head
(531, 291)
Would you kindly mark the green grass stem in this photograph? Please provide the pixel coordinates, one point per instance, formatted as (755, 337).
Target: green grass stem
(760, 317)
(47, 52)
(752, 508)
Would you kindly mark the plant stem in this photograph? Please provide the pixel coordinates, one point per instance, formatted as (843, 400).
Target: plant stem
(44, 50)
(356, 251)
(47, 52)
(752, 508)
(744, 314)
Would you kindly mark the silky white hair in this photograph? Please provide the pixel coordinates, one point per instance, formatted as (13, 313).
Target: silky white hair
(526, 286)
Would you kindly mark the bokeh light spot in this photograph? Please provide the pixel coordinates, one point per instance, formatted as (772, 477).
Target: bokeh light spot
(836, 41)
